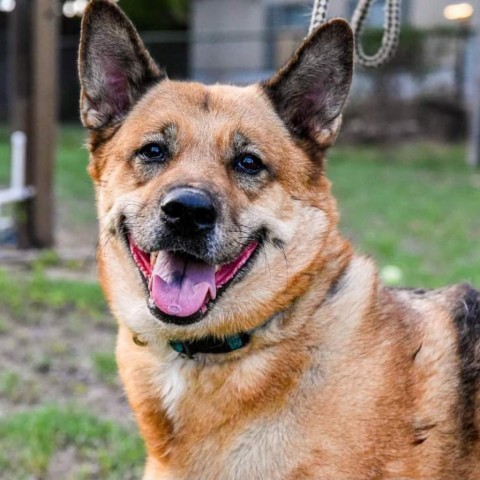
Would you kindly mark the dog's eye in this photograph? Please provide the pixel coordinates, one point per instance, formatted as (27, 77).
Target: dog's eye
(249, 164)
(152, 152)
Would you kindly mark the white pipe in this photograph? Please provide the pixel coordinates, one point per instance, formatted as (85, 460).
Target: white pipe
(12, 195)
(17, 191)
(18, 142)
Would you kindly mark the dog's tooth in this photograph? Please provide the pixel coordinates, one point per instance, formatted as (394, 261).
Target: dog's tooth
(153, 258)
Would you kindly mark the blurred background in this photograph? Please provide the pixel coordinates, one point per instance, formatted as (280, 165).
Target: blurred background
(405, 172)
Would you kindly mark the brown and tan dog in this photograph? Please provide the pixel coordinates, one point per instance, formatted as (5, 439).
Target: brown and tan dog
(253, 342)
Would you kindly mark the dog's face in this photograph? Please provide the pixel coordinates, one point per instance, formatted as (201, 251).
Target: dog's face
(212, 201)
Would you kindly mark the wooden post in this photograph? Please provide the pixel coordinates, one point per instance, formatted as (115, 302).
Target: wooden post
(19, 65)
(473, 158)
(34, 35)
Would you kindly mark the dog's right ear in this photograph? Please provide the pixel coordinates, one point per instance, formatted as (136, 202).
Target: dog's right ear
(114, 66)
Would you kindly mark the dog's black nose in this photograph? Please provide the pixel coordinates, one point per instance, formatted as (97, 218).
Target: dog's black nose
(189, 211)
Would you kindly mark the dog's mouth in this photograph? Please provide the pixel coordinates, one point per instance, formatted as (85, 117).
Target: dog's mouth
(183, 287)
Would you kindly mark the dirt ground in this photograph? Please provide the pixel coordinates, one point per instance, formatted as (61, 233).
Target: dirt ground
(54, 354)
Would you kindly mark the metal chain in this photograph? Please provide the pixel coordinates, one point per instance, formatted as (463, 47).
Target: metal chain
(391, 32)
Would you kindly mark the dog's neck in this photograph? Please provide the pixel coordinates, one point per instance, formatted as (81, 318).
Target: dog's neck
(212, 345)
(323, 288)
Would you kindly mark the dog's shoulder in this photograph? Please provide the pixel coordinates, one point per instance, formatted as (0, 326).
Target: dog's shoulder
(452, 315)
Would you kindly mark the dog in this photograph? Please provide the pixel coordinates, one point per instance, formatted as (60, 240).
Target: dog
(254, 343)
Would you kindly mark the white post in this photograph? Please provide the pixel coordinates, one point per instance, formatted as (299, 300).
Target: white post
(17, 190)
(18, 145)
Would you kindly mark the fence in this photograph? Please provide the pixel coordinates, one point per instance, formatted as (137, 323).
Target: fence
(427, 75)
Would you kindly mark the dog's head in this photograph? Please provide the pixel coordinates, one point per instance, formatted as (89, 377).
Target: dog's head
(214, 209)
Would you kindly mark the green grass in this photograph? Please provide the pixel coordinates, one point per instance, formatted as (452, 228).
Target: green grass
(15, 389)
(30, 440)
(414, 206)
(21, 292)
(9, 385)
(73, 186)
(105, 366)
(4, 155)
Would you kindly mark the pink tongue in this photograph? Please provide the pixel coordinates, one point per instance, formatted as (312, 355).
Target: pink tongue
(181, 287)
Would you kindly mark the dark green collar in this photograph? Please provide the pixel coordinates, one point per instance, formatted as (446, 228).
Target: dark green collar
(211, 344)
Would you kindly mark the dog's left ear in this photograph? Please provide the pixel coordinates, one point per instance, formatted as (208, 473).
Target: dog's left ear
(114, 66)
(309, 92)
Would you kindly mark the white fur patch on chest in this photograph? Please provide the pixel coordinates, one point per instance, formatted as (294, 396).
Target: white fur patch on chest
(172, 384)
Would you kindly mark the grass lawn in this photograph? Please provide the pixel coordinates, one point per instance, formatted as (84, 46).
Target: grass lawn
(34, 442)
(413, 207)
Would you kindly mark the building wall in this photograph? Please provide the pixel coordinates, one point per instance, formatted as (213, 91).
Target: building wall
(235, 40)
(227, 37)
